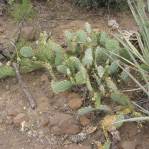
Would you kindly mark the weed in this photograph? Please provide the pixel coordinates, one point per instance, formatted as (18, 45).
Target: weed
(21, 11)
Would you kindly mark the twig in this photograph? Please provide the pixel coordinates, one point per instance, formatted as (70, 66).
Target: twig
(136, 119)
(132, 90)
(141, 108)
(24, 87)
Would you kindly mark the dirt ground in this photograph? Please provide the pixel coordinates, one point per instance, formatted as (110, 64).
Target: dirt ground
(53, 124)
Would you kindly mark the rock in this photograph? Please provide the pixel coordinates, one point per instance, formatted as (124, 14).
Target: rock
(28, 33)
(84, 121)
(19, 119)
(75, 146)
(128, 145)
(70, 128)
(113, 24)
(64, 124)
(72, 95)
(60, 100)
(75, 103)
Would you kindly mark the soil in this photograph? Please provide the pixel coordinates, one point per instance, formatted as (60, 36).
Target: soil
(52, 123)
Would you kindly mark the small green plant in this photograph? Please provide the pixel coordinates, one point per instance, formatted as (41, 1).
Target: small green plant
(21, 11)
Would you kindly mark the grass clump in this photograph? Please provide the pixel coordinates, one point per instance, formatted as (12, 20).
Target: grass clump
(22, 11)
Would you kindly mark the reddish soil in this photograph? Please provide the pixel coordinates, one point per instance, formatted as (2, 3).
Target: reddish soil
(52, 123)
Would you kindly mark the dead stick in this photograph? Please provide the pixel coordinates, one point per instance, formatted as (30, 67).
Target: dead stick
(24, 87)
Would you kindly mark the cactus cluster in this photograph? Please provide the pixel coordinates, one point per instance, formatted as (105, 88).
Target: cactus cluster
(86, 61)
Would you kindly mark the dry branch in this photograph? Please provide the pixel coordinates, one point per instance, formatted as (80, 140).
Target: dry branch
(24, 87)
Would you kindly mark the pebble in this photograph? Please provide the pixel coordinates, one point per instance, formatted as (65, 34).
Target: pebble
(113, 24)
(75, 103)
(84, 121)
(62, 124)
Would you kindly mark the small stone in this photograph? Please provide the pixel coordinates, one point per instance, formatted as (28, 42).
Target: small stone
(75, 103)
(72, 129)
(24, 108)
(64, 124)
(19, 119)
(113, 24)
(28, 33)
(84, 121)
